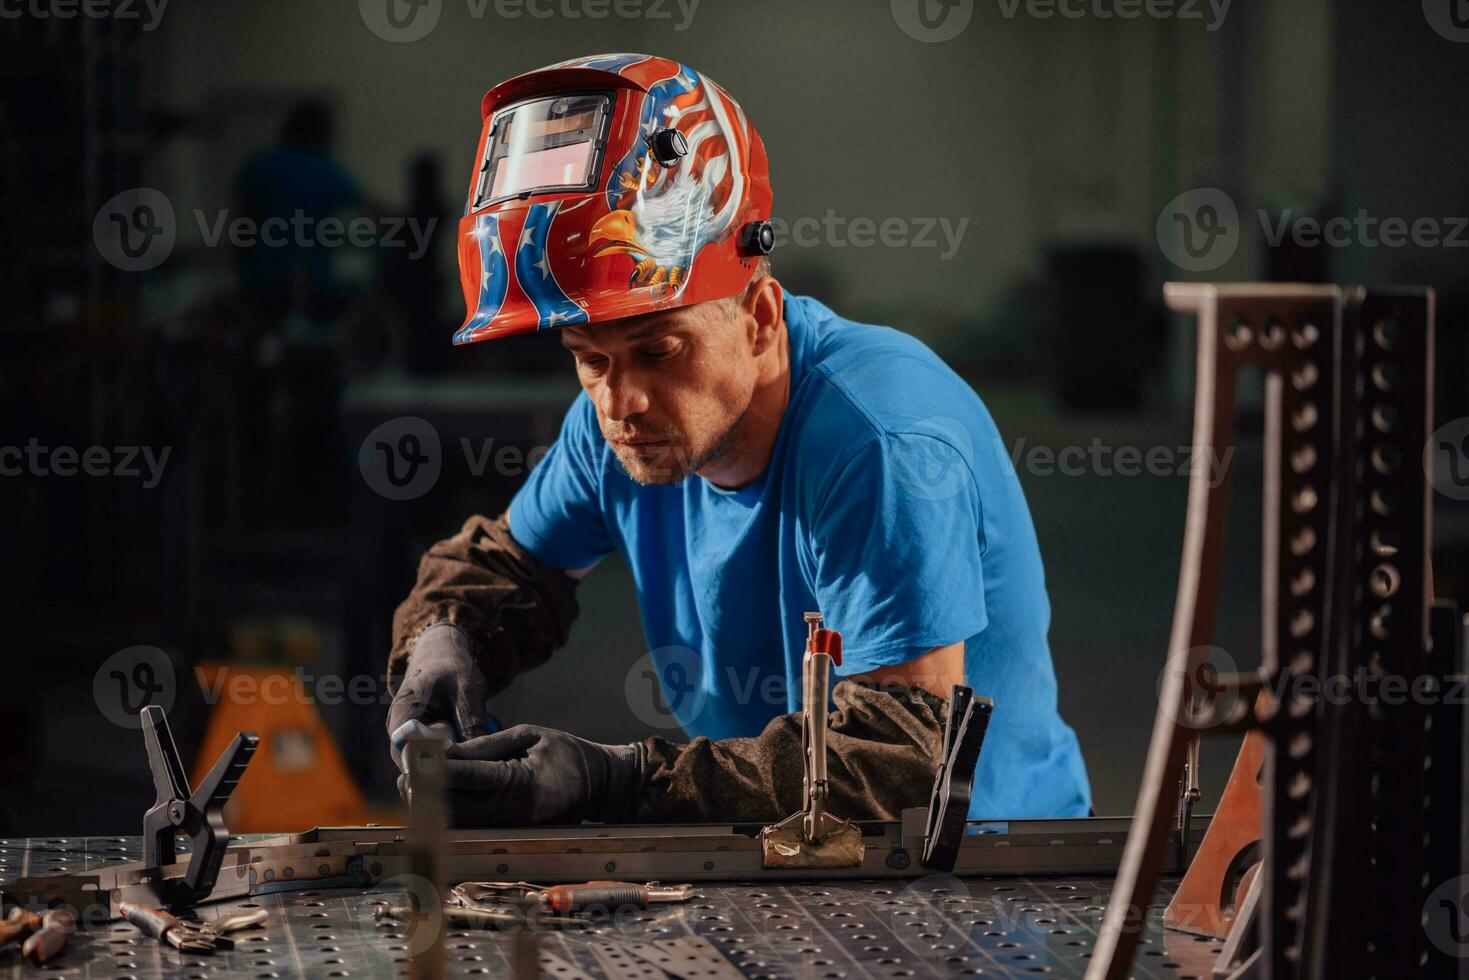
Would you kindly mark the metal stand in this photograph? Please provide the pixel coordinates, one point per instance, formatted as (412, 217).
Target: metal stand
(1351, 838)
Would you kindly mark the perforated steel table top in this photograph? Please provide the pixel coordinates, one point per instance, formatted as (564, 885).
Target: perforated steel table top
(933, 926)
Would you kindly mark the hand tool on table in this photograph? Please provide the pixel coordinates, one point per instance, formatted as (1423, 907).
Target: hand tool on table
(19, 924)
(187, 935)
(570, 899)
(41, 936)
(813, 837)
(48, 935)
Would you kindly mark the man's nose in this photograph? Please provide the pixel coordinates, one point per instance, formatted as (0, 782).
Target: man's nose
(623, 395)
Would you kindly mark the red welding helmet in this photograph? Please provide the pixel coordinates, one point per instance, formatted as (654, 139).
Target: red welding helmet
(605, 187)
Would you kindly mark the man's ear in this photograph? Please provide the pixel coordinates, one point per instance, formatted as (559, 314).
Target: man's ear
(764, 303)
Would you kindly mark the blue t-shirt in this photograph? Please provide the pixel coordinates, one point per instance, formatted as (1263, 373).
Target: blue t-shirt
(889, 505)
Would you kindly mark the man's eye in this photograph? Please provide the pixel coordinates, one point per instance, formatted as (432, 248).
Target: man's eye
(591, 363)
(662, 352)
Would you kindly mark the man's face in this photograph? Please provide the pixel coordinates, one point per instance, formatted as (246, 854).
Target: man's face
(670, 388)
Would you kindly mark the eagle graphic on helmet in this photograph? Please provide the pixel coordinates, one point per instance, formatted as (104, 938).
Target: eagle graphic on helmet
(605, 187)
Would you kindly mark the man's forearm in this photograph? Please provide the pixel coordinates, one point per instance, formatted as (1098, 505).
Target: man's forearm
(514, 609)
(882, 745)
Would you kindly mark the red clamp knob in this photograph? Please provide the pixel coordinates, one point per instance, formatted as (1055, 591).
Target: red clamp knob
(828, 642)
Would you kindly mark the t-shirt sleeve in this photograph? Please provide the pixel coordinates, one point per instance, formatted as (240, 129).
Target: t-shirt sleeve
(896, 541)
(557, 514)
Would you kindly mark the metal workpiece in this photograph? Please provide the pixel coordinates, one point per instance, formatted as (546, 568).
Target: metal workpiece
(362, 856)
(794, 927)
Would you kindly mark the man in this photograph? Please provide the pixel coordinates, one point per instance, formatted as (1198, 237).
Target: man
(752, 456)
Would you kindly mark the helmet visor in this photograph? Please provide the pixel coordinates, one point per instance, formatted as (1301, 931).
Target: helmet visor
(548, 144)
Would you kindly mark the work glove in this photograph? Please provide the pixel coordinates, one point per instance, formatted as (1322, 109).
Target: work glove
(531, 775)
(443, 688)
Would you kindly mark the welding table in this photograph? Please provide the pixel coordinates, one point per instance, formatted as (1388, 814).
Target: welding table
(938, 925)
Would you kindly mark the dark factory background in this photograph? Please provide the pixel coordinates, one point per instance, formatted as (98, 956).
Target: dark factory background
(1025, 163)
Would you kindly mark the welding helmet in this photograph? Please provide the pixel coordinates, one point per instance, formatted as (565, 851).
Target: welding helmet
(605, 187)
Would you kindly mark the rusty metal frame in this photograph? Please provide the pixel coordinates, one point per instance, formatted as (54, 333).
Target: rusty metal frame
(1345, 588)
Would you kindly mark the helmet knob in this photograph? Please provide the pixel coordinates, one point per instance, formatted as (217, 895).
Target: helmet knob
(758, 238)
(668, 146)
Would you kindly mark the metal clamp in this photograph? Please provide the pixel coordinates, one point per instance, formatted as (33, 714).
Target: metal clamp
(953, 779)
(200, 815)
(813, 837)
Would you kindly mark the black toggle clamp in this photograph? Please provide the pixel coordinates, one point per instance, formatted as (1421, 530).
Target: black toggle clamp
(953, 780)
(200, 815)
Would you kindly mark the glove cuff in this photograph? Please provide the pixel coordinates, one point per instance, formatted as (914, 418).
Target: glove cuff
(624, 781)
